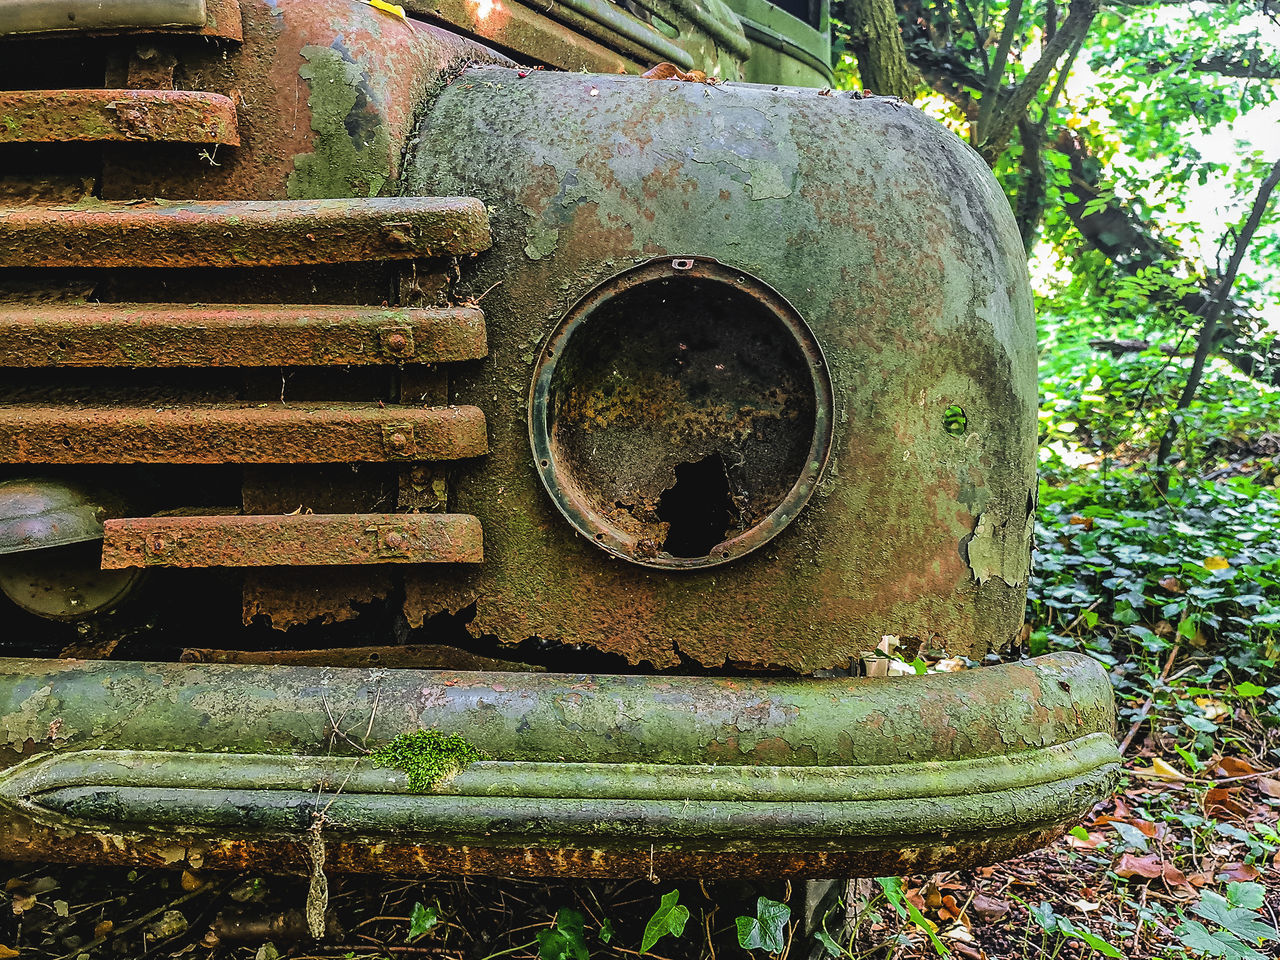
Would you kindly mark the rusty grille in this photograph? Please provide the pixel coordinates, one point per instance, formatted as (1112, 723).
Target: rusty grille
(99, 389)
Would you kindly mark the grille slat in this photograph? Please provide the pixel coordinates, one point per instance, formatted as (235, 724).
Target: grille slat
(99, 116)
(235, 335)
(231, 433)
(242, 233)
(292, 540)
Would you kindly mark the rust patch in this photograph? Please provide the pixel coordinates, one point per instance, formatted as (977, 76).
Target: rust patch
(249, 335)
(157, 116)
(266, 433)
(417, 656)
(245, 233)
(299, 539)
(23, 839)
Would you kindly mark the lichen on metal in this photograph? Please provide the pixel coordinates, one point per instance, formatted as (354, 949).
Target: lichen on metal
(910, 771)
(50, 16)
(154, 116)
(891, 240)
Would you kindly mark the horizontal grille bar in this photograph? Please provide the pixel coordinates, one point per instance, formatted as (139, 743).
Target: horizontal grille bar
(256, 335)
(226, 433)
(242, 233)
(212, 18)
(157, 116)
(297, 539)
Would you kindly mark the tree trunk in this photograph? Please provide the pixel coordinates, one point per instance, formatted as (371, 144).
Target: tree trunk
(877, 44)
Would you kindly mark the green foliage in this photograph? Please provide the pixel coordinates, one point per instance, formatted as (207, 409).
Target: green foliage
(767, 930)
(564, 939)
(669, 918)
(426, 757)
(1240, 931)
(1052, 924)
(421, 920)
(892, 888)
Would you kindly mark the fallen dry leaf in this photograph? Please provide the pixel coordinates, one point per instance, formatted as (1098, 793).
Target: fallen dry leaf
(1173, 585)
(1232, 766)
(669, 71)
(1093, 841)
(1214, 710)
(1220, 802)
(988, 909)
(1135, 866)
(1242, 872)
(1269, 786)
(7, 952)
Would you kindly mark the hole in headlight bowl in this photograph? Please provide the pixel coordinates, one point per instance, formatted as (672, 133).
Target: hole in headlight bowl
(680, 414)
(954, 420)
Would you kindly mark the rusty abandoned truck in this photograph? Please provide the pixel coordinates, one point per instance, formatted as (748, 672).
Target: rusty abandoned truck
(364, 374)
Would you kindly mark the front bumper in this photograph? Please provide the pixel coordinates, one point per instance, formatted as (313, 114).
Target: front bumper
(233, 766)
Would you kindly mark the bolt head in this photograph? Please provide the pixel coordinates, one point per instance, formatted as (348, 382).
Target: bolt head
(395, 540)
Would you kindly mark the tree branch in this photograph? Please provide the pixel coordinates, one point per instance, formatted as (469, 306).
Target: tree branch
(993, 137)
(987, 109)
(1131, 245)
(1213, 310)
(1249, 65)
(876, 41)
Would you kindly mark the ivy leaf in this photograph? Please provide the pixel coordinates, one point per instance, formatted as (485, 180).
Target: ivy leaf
(669, 918)
(767, 929)
(1240, 921)
(421, 920)
(833, 949)
(606, 930)
(565, 939)
(1248, 896)
(1195, 936)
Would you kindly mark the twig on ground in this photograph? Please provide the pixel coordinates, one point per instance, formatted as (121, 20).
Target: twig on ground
(1150, 702)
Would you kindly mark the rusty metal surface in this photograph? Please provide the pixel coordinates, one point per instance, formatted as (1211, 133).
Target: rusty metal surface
(304, 539)
(22, 838)
(515, 27)
(41, 16)
(241, 233)
(681, 414)
(334, 86)
(157, 116)
(415, 656)
(892, 241)
(945, 768)
(36, 514)
(235, 335)
(265, 433)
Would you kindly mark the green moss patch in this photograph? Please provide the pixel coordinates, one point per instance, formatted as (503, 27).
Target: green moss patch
(427, 757)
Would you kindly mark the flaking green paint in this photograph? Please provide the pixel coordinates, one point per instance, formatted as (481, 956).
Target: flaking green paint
(352, 155)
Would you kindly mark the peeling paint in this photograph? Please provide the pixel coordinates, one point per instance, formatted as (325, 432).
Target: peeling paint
(995, 550)
(351, 144)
